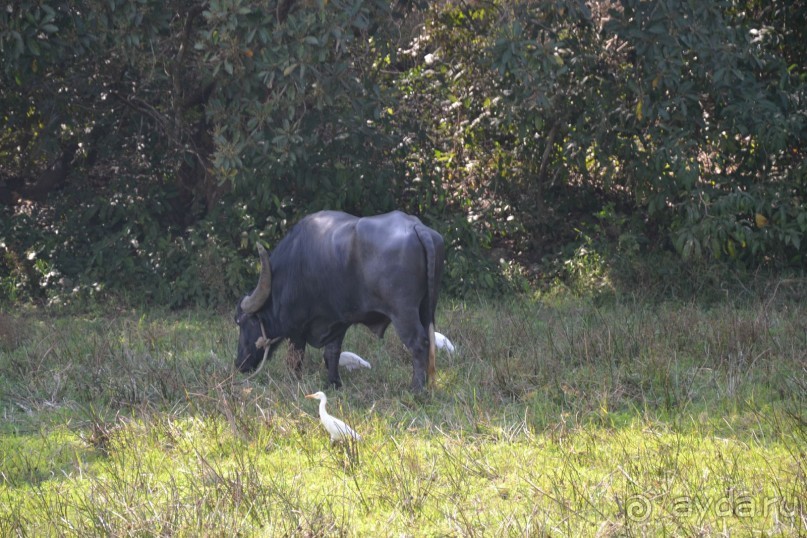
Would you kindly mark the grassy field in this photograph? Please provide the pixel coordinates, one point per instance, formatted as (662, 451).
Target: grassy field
(562, 417)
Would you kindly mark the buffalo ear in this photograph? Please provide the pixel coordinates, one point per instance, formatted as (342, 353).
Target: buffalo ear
(255, 300)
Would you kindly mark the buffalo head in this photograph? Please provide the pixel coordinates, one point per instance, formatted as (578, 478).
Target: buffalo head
(253, 345)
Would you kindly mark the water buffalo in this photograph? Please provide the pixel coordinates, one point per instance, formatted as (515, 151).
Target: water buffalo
(334, 270)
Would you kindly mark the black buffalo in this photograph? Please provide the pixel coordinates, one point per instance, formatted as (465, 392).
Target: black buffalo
(334, 270)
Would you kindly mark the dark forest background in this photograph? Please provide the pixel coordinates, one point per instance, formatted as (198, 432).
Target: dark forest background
(147, 146)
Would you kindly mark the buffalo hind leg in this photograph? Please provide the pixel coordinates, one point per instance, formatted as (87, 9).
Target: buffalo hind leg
(416, 338)
(331, 355)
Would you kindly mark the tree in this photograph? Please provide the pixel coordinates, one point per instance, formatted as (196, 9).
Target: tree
(147, 132)
(683, 115)
(162, 140)
(714, 125)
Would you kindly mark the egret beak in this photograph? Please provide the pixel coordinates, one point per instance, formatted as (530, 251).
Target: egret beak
(311, 396)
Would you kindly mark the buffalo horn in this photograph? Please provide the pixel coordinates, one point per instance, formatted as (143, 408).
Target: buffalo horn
(254, 301)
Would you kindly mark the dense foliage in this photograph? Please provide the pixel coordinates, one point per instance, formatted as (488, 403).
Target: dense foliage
(145, 147)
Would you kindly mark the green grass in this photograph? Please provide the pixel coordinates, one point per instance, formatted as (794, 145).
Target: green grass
(563, 418)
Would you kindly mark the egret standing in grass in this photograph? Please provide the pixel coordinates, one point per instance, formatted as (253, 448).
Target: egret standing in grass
(339, 430)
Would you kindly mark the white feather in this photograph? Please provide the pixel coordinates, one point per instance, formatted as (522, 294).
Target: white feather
(351, 361)
(442, 342)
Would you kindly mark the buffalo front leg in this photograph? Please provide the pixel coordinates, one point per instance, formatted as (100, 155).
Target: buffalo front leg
(331, 354)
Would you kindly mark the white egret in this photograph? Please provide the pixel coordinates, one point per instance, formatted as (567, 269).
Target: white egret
(339, 430)
(351, 361)
(442, 342)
